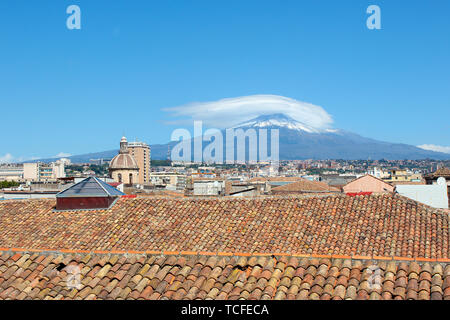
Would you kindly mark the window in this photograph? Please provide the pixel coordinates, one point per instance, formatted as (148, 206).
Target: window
(120, 177)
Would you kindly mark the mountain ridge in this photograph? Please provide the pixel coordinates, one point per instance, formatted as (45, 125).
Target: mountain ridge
(299, 141)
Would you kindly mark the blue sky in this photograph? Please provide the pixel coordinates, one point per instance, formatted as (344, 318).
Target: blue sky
(79, 91)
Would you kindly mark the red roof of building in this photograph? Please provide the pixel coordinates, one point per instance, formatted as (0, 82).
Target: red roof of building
(115, 184)
(382, 225)
(108, 275)
(303, 247)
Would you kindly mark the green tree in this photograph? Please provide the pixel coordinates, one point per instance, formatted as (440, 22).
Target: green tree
(8, 184)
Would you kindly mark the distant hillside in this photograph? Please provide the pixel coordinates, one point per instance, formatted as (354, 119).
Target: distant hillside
(158, 152)
(299, 141)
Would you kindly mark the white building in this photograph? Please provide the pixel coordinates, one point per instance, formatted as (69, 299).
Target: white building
(434, 195)
(378, 173)
(168, 180)
(38, 171)
(208, 187)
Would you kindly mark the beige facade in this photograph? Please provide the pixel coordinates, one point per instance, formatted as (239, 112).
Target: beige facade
(125, 176)
(38, 171)
(140, 151)
(30, 171)
(368, 183)
(403, 175)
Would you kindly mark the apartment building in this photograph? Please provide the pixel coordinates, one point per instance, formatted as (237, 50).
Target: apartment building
(400, 175)
(205, 172)
(39, 171)
(168, 180)
(141, 152)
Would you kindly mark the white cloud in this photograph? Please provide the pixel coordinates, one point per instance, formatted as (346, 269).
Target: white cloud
(228, 112)
(433, 147)
(9, 158)
(6, 158)
(62, 155)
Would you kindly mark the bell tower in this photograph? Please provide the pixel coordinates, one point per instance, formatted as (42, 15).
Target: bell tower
(123, 145)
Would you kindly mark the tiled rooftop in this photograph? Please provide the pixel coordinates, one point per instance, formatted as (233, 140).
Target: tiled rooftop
(377, 225)
(46, 275)
(441, 172)
(304, 185)
(276, 179)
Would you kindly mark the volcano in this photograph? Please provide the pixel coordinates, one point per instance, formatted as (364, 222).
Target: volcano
(299, 141)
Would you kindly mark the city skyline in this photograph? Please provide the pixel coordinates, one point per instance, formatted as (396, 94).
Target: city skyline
(130, 64)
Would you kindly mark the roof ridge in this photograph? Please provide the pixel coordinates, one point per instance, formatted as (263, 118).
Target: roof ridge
(302, 196)
(227, 198)
(101, 185)
(224, 254)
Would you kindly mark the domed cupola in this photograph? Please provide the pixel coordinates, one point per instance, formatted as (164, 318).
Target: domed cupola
(123, 167)
(124, 160)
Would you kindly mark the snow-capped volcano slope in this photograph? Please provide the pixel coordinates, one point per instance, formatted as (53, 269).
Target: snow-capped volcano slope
(280, 120)
(299, 141)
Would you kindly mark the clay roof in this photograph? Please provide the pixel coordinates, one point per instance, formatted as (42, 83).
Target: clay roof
(47, 275)
(396, 183)
(164, 192)
(441, 172)
(304, 247)
(276, 179)
(195, 179)
(305, 185)
(115, 184)
(369, 176)
(381, 225)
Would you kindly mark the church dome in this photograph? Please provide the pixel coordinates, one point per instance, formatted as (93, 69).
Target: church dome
(123, 160)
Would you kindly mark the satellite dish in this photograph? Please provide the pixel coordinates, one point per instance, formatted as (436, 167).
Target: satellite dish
(441, 181)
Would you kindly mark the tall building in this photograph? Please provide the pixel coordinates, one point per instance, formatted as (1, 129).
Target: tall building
(141, 153)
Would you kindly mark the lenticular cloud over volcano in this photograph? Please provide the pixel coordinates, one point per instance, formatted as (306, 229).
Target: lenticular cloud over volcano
(228, 112)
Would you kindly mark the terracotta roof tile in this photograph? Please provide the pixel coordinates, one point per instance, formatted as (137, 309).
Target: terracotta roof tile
(304, 186)
(376, 225)
(364, 247)
(441, 172)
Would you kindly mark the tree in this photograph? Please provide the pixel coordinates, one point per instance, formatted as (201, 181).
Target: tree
(8, 184)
